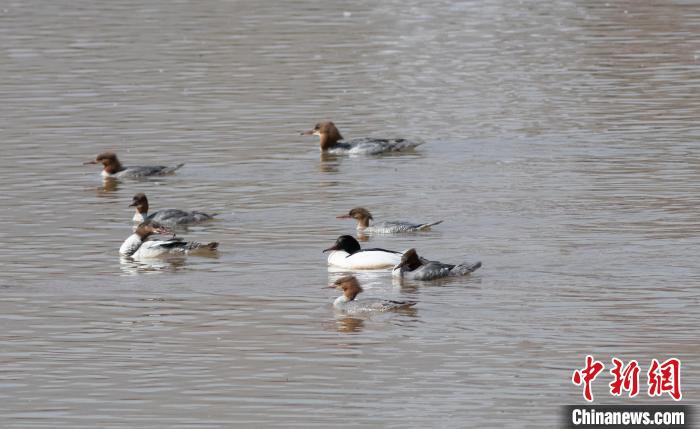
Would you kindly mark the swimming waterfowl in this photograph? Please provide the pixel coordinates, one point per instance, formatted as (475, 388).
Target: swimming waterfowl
(114, 169)
(137, 246)
(363, 217)
(413, 267)
(346, 253)
(349, 303)
(166, 217)
(331, 141)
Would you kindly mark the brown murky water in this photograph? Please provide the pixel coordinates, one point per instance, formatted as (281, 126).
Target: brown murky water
(561, 150)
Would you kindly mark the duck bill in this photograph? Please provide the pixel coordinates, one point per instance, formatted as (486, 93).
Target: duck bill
(90, 162)
(331, 248)
(132, 204)
(343, 217)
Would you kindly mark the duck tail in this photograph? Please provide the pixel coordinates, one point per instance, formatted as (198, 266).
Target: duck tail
(403, 144)
(401, 305)
(463, 269)
(201, 216)
(173, 169)
(211, 246)
(426, 226)
(195, 247)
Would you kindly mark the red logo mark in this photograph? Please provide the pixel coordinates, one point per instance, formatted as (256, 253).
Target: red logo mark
(625, 379)
(586, 376)
(665, 377)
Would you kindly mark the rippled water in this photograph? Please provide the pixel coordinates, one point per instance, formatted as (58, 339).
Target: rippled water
(561, 150)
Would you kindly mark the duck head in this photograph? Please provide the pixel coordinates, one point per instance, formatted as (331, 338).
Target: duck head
(350, 286)
(346, 243)
(327, 132)
(140, 202)
(148, 228)
(360, 214)
(409, 260)
(110, 162)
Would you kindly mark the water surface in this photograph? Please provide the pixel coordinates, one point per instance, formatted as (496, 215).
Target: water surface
(561, 150)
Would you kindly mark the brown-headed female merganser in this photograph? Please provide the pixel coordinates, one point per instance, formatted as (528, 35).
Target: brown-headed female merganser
(332, 142)
(113, 168)
(363, 216)
(137, 247)
(346, 253)
(349, 303)
(413, 267)
(166, 217)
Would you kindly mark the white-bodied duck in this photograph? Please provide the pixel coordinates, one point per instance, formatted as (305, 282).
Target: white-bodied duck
(413, 267)
(166, 217)
(363, 218)
(332, 142)
(112, 168)
(137, 246)
(348, 302)
(346, 253)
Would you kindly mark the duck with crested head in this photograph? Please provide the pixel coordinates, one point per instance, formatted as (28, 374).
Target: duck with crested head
(138, 246)
(348, 302)
(414, 267)
(113, 168)
(363, 218)
(331, 141)
(166, 217)
(347, 253)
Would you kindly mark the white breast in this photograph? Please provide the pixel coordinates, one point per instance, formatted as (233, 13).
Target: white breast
(339, 302)
(366, 260)
(151, 249)
(130, 245)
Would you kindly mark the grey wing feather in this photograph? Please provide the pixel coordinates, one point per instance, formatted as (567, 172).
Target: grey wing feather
(399, 226)
(374, 146)
(188, 246)
(432, 270)
(169, 217)
(149, 170)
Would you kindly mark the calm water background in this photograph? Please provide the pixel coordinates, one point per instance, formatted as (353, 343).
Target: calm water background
(561, 150)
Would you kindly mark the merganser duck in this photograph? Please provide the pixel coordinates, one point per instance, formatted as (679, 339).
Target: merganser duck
(114, 169)
(363, 217)
(165, 217)
(348, 303)
(137, 247)
(346, 253)
(333, 142)
(413, 267)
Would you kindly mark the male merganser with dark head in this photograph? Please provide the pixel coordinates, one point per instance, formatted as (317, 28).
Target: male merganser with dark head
(346, 253)
(137, 247)
(413, 267)
(165, 217)
(363, 217)
(348, 303)
(333, 142)
(113, 168)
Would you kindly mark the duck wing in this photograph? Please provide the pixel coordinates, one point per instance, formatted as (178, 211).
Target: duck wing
(148, 170)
